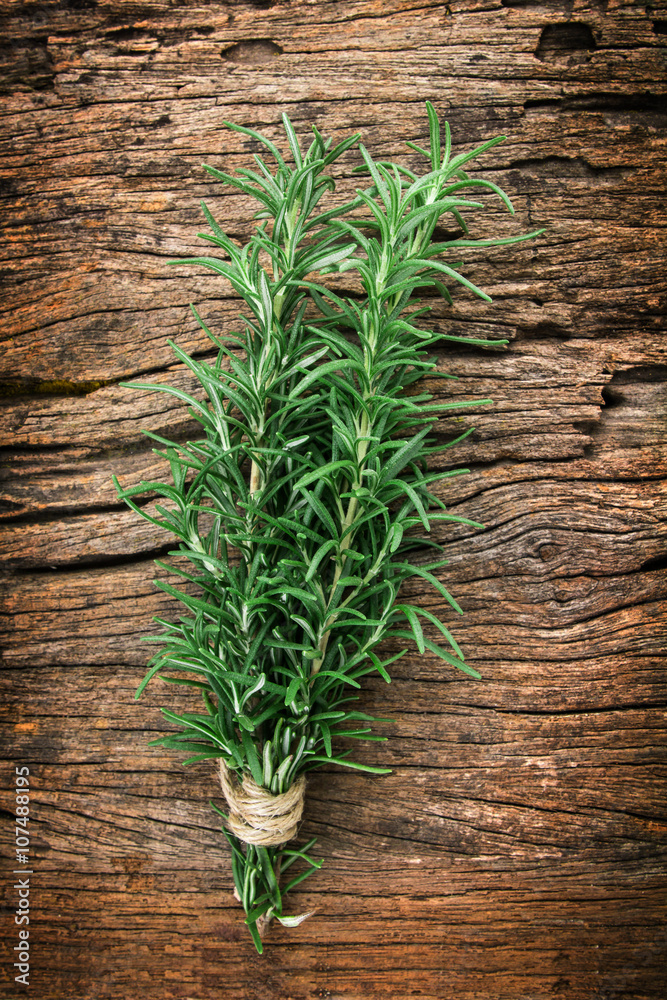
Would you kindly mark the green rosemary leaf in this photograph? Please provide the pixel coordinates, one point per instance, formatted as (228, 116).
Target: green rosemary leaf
(416, 628)
(368, 768)
(317, 558)
(344, 678)
(462, 158)
(299, 878)
(322, 471)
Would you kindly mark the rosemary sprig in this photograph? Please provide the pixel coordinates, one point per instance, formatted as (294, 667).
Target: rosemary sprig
(296, 507)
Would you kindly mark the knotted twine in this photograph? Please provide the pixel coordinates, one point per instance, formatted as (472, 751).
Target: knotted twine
(258, 817)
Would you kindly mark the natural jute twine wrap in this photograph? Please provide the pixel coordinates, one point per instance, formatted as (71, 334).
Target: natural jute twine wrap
(258, 817)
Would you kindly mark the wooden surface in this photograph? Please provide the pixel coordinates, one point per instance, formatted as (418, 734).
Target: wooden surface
(517, 851)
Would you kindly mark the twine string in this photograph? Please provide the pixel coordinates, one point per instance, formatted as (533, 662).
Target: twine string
(258, 817)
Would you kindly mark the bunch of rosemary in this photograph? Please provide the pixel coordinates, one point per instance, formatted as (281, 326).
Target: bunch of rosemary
(296, 508)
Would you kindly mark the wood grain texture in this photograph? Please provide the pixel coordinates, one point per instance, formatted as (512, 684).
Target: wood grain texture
(517, 851)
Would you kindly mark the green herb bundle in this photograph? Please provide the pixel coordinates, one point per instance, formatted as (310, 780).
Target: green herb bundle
(299, 507)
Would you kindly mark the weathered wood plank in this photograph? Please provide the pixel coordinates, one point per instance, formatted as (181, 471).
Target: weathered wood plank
(556, 869)
(113, 185)
(619, 528)
(518, 848)
(624, 438)
(537, 946)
